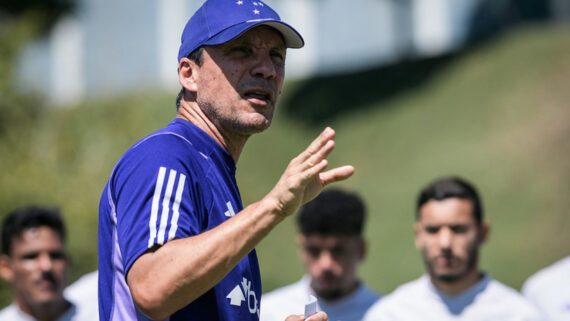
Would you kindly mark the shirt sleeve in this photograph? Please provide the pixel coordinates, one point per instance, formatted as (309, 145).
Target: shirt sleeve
(157, 195)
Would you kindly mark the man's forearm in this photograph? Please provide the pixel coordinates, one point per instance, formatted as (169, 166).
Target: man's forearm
(168, 279)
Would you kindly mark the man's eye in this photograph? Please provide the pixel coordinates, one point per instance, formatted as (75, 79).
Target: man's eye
(459, 229)
(432, 229)
(240, 50)
(31, 256)
(313, 252)
(278, 56)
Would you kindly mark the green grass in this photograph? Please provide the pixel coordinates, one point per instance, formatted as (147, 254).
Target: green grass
(497, 115)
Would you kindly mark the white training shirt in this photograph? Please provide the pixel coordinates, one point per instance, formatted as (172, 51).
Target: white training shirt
(82, 294)
(13, 313)
(486, 300)
(291, 299)
(549, 289)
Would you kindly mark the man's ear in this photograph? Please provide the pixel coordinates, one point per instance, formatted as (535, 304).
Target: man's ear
(187, 72)
(417, 230)
(6, 271)
(363, 249)
(484, 231)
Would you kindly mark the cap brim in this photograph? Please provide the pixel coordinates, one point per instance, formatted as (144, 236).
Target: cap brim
(291, 37)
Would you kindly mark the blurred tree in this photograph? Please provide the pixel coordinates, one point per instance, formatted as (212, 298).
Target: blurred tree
(45, 12)
(491, 17)
(21, 21)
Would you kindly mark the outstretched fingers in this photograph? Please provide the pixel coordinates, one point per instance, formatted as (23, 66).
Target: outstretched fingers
(336, 174)
(315, 149)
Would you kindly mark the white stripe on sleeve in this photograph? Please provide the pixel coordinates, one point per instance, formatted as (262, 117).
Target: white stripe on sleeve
(155, 202)
(176, 207)
(166, 206)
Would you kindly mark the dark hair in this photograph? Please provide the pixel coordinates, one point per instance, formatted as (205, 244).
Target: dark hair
(197, 56)
(25, 218)
(333, 212)
(451, 187)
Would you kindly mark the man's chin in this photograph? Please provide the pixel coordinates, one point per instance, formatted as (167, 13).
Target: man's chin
(253, 127)
(447, 278)
(47, 298)
(330, 295)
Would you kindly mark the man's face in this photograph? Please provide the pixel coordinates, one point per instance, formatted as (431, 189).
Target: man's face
(332, 262)
(449, 238)
(239, 82)
(37, 266)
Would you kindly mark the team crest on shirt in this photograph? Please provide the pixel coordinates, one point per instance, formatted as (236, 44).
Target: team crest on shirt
(242, 293)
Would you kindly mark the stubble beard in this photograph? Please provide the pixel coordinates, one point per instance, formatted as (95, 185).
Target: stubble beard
(233, 123)
(470, 264)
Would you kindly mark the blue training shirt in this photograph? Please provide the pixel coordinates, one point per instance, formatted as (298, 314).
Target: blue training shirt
(175, 183)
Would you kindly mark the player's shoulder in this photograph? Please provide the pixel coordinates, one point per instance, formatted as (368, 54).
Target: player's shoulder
(170, 139)
(368, 294)
(411, 291)
(85, 287)
(170, 147)
(284, 301)
(499, 294)
(497, 290)
(9, 313)
(548, 277)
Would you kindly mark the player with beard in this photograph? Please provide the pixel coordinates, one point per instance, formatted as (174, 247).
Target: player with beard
(449, 231)
(332, 247)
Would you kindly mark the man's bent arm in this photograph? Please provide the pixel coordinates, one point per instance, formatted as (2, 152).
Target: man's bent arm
(167, 279)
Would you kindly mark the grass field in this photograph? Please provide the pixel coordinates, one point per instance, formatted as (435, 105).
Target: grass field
(497, 115)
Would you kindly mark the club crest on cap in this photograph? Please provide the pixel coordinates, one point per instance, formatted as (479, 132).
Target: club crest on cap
(219, 21)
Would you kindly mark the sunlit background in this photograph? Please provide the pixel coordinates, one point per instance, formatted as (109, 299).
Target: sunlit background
(416, 89)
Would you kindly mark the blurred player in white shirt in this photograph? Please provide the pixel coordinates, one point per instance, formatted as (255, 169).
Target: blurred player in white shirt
(331, 247)
(449, 231)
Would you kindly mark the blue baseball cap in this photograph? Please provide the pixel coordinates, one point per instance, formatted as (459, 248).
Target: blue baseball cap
(219, 21)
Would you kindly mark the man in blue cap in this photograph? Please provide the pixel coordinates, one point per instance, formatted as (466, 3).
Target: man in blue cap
(175, 242)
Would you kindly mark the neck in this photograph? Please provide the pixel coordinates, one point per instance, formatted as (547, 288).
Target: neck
(49, 311)
(458, 286)
(232, 143)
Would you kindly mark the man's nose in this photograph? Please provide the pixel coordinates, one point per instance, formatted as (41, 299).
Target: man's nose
(264, 67)
(445, 237)
(326, 261)
(45, 262)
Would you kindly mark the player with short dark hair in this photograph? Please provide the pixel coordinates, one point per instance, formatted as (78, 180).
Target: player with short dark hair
(334, 211)
(451, 187)
(35, 262)
(332, 247)
(26, 218)
(175, 241)
(449, 232)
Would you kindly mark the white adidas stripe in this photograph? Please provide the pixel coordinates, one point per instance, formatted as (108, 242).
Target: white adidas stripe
(176, 207)
(166, 206)
(154, 209)
(153, 222)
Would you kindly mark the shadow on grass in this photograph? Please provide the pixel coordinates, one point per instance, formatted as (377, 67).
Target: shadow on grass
(324, 98)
